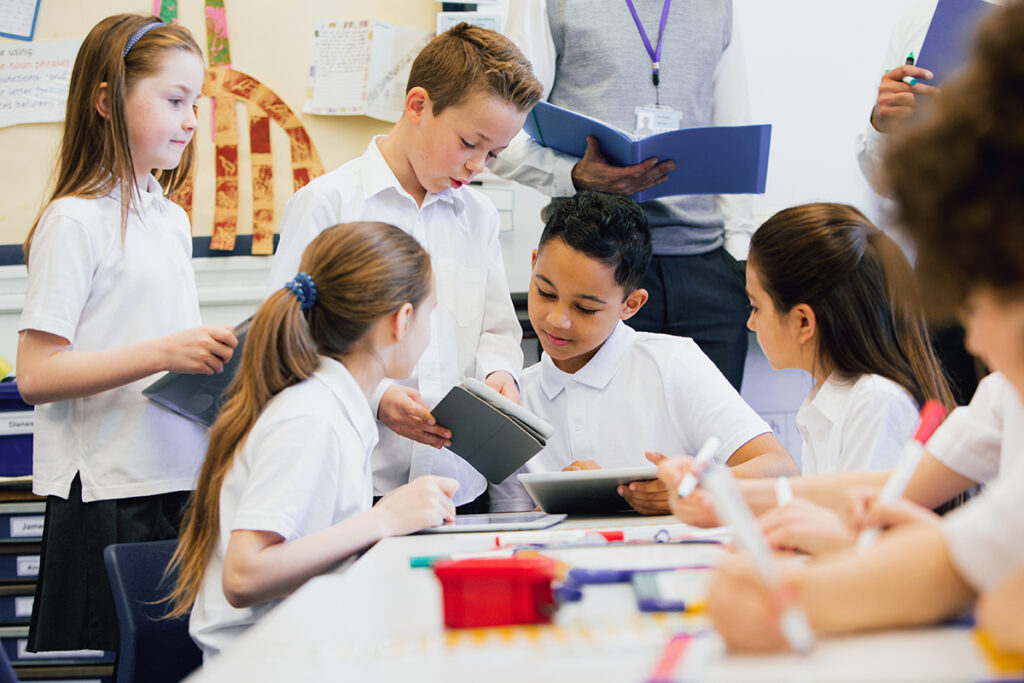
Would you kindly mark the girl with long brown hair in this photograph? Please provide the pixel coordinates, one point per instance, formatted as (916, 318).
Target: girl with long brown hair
(286, 488)
(112, 300)
(831, 294)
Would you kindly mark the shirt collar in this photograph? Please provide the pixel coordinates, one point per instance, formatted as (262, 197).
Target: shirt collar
(343, 385)
(598, 371)
(831, 398)
(378, 177)
(151, 195)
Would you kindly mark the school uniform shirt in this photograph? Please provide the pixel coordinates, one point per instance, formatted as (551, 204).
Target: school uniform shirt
(855, 425)
(94, 289)
(984, 439)
(304, 467)
(473, 329)
(641, 391)
(986, 536)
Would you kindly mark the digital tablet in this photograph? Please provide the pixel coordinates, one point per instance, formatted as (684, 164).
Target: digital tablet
(585, 492)
(497, 521)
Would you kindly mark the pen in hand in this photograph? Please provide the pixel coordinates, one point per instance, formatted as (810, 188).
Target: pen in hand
(733, 511)
(690, 480)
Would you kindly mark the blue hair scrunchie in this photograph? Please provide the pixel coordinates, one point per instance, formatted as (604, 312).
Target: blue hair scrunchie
(137, 36)
(304, 289)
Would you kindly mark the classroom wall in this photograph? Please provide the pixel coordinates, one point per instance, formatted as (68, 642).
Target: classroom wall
(813, 65)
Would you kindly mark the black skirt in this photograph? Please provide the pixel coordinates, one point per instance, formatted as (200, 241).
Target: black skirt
(73, 607)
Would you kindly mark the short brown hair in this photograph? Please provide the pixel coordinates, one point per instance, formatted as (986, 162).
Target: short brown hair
(958, 174)
(466, 60)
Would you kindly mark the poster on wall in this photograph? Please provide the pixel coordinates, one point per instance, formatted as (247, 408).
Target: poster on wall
(18, 18)
(360, 68)
(34, 81)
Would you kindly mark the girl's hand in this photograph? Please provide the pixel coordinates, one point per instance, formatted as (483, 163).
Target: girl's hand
(696, 508)
(404, 412)
(868, 512)
(425, 502)
(504, 384)
(803, 526)
(200, 350)
(744, 611)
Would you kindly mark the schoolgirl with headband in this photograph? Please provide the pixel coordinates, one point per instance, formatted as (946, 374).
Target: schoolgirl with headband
(285, 491)
(111, 301)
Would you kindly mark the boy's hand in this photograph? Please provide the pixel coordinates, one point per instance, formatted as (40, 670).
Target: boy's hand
(647, 497)
(803, 526)
(578, 465)
(504, 384)
(696, 508)
(593, 172)
(422, 503)
(895, 103)
(200, 350)
(404, 412)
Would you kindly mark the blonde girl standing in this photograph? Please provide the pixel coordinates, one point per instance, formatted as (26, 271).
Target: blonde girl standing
(111, 300)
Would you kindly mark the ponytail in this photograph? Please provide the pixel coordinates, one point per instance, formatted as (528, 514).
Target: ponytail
(354, 274)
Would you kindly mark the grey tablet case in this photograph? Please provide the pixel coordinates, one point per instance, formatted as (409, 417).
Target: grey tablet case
(197, 397)
(585, 492)
(485, 435)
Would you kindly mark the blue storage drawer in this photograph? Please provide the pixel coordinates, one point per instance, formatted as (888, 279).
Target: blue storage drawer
(14, 640)
(16, 604)
(19, 563)
(16, 425)
(22, 522)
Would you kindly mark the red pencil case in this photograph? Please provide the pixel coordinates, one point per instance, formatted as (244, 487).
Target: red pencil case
(497, 591)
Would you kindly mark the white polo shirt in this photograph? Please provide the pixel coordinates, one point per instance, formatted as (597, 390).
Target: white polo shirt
(983, 440)
(473, 330)
(641, 391)
(855, 425)
(304, 467)
(88, 286)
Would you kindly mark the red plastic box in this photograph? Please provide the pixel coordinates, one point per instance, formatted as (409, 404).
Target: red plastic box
(497, 591)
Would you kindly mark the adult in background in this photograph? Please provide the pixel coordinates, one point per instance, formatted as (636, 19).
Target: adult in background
(623, 61)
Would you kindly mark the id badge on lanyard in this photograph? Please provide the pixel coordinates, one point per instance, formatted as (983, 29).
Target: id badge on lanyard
(654, 118)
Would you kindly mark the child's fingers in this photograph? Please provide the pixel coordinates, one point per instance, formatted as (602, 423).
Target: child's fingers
(223, 335)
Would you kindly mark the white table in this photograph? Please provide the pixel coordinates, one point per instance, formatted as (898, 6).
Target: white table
(379, 620)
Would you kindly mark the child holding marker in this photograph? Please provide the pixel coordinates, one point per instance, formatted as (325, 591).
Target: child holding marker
(832, 295)
(285, 490)
(111, 300)
(468, 94)
(966, 222)
(612, 392)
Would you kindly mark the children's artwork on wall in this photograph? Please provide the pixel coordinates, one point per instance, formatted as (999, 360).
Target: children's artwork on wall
(18, 18)
(227, 86)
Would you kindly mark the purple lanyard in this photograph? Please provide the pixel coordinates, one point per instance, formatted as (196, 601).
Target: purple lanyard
(654, 53)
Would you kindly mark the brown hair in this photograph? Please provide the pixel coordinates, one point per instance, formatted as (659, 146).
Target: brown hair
(861, 289)
(95, 157)
(958, 174)
(466, 60)
(362, 271)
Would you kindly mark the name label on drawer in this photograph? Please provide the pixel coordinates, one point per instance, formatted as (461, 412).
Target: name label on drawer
(28, 526)
(21, 422)
(23, 605)
(28, 565)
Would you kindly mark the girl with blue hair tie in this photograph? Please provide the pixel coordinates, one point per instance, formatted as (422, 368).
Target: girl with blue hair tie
(286, 489)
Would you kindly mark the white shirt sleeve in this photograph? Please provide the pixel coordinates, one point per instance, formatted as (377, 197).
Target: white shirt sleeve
(732, 108)
(306, 215)
(970, 440)
(501, 334)
(292, 485)
(524, 160)
(705, 404)
(62, 260)
(986, 536)
(510, 495)
(907, 36)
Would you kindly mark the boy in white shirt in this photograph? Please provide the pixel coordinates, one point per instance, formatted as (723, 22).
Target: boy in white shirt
(468, 94)
(613, 393)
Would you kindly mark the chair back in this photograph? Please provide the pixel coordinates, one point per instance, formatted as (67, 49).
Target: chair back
(153, 649)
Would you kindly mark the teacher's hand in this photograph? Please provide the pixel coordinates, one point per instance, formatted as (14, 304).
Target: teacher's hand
(593, 172)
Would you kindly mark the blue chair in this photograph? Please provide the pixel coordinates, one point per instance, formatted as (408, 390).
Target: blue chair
(153, 649)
